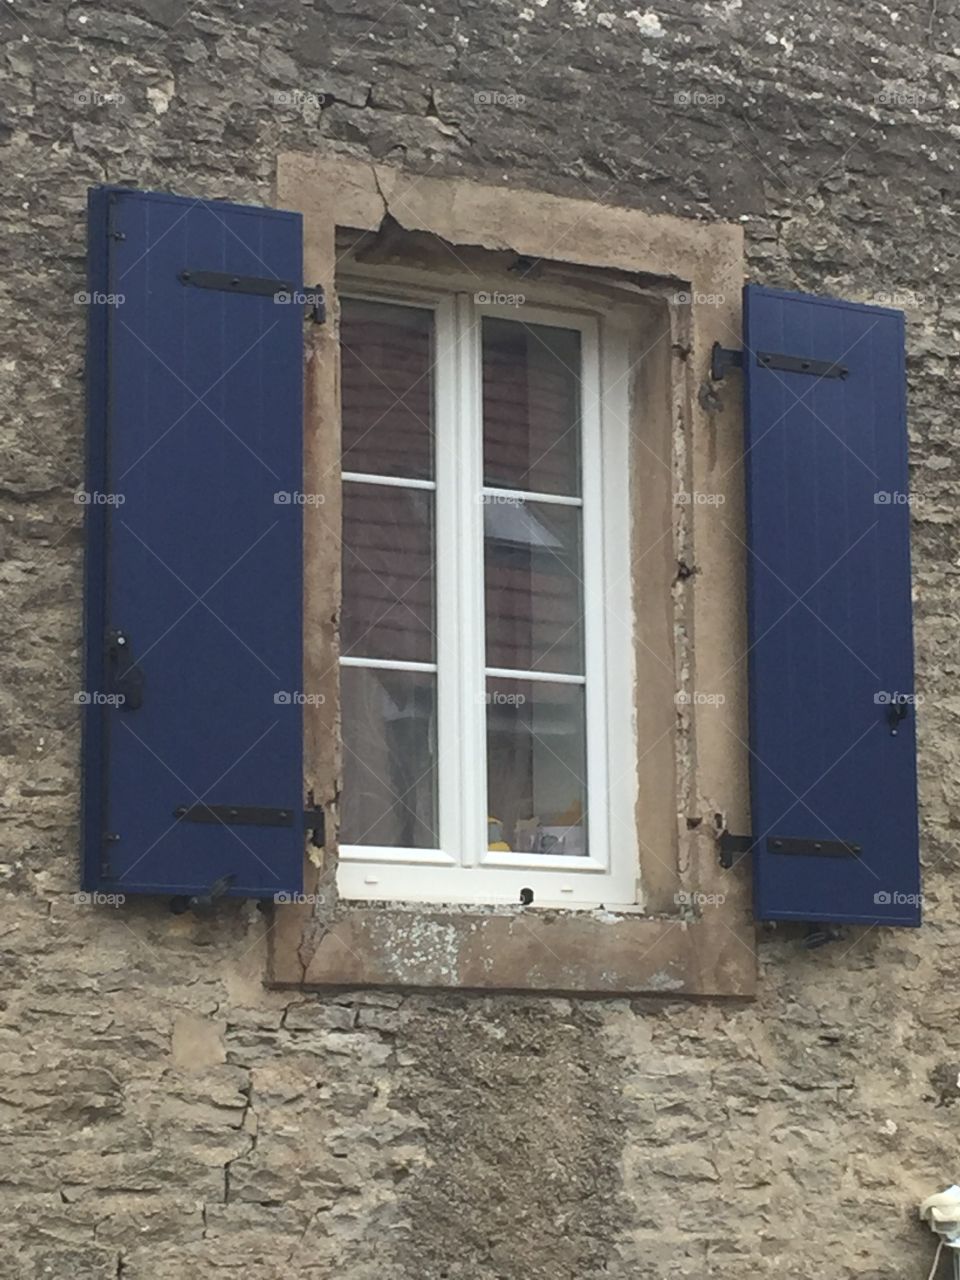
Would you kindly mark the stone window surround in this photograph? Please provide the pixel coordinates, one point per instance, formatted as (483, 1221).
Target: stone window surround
(690, 275)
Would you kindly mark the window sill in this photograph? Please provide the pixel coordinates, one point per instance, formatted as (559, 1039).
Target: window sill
(573, 952)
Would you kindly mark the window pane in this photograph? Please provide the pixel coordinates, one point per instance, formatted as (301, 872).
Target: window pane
(533, 588)
(386, 358)
(387, 573)
(536, 767)
(531, 407)
(389, 758)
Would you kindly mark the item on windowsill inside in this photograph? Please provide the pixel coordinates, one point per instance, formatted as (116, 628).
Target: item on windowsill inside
(557, 839)
(495, 840)
(562, 841)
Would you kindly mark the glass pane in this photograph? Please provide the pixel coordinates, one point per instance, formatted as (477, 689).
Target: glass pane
(531, 407)
(386, 358)
(389, 758)
(533, 589)
(536, 767)
(387, 573)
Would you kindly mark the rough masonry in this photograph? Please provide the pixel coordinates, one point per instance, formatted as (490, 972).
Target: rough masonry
(162, 1115)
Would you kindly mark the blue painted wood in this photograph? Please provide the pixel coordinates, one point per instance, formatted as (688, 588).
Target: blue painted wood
(195, 424)
(830, 630)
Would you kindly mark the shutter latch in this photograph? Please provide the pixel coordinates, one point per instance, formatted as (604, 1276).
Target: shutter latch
(898, 710)
(125, 677)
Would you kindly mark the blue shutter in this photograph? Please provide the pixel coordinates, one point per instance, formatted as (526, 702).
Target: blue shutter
(833, 772)
(194, 591)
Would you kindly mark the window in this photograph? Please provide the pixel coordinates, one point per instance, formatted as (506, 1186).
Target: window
(486, 669)
(256, 730)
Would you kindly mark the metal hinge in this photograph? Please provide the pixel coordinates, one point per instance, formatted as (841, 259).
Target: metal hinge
(801, 364)
(730, 846)
(228, 282)
(724, 358)
(282, 291)
(234, 815)
(317, 302)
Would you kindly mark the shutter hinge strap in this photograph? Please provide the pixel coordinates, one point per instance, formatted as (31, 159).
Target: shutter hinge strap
(233, 815)
(281, 291)
(731, 845)
(229, 282)
(724, 358)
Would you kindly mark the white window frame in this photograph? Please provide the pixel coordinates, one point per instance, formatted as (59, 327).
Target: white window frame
(463, 870)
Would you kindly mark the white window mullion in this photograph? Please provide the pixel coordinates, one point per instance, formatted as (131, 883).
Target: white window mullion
(594, 596)
(473, 746)
(528, 495)
(396, 482)
(450, 657)
(551, 677)
(387, 664)
(621, 737)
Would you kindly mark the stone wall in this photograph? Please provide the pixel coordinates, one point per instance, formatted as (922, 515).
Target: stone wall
(161, 1114)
